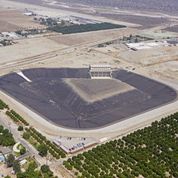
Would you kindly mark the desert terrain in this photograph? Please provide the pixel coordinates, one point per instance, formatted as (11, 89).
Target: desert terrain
(55, 50)
(147, 46)
(13, 20)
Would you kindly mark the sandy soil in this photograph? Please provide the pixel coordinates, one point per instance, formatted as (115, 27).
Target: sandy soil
(153, 56)
(172, 28)
(144, 21)
(94, 90)
(82, 38)
(52, 50)
(167, 69)
(13, 20)
(27, 48)
(6, 171)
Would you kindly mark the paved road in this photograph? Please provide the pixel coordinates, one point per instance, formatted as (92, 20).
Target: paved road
(7, 123)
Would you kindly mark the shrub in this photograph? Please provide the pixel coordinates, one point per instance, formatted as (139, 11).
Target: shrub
(20, 128)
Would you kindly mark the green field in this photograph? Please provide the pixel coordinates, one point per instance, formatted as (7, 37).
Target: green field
(150, 153)
(84, 28)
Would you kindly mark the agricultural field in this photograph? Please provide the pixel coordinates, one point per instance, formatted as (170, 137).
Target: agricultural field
(150, 152)
(85, 28)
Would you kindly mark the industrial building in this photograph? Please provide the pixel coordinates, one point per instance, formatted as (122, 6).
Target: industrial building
(100, 71)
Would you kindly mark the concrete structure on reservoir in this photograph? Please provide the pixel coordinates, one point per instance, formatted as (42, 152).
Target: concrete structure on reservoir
(100, 71)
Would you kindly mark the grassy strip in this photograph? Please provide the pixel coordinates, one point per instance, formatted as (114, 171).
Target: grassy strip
(16, 117)
(54, 150)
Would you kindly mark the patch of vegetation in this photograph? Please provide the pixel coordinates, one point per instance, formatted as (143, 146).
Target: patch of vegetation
(7, 177)
(22, 149)
(3, 105)
(32, 171)
(150, 152)
(43, 145)
(16, 167)
(10, 159)
(20, 128)
(43, 150)
(46, 171)
(11, 162)
(84, 28)
(6, 138)
(16, 117)
(135, 39)
(26, 33)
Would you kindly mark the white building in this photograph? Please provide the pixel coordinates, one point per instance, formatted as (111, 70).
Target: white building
(100, 71)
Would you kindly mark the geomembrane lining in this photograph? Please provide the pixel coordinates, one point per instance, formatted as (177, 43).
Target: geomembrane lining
(50, 96)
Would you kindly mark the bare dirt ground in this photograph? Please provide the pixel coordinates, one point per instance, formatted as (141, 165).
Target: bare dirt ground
(5, 26)
(5, 171)
(166, 69)
(58, 50)
(13, 20)
(153, 56)
(94, 90)
(172, 28)
(89, 37)
(26, 48)
(144, 21)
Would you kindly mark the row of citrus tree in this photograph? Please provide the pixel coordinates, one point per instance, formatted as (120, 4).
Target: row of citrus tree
(150, 152)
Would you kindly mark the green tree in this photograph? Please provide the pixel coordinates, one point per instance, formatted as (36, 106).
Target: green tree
(26, 135)
(1, 128)
(42, 150)
(46, 171)
(10, 160)
(16, 167)
(45, 168)
(20, 128)
(22, 150)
